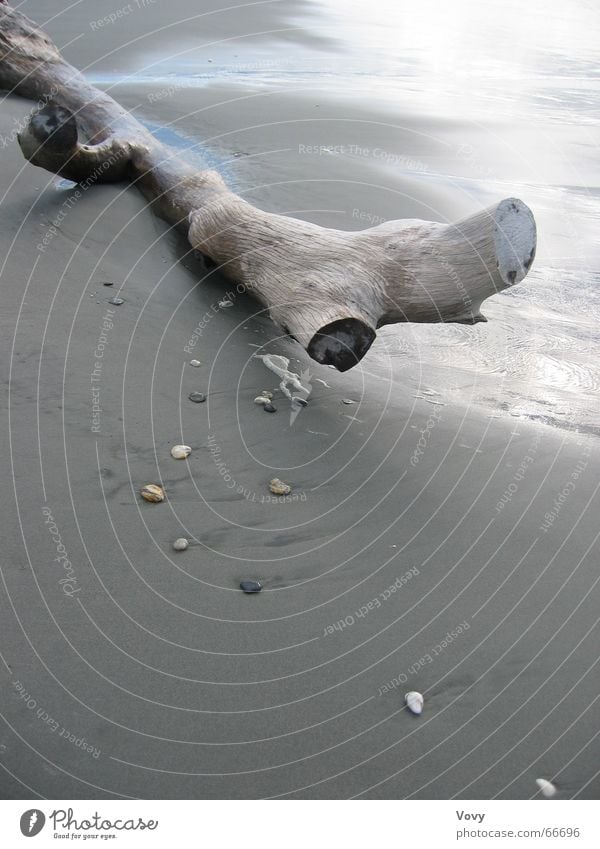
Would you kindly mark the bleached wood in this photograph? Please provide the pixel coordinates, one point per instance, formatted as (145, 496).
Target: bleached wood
(329, 289)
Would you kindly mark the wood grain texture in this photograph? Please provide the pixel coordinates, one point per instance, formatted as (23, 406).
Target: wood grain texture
(329, 289)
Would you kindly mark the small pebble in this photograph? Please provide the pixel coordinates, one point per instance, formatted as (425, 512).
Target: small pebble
(300, 402)
(224, 304)
(262, 399)
(278, 487)
(116, 301)
(250, 586)
(195, 363)
(180, 544)
(180, 452)
(152, 492)
(546, 787)
(266, 394)
(108, 283)
(197, 397)
(348, 401)
(414, 702)
(269, 408)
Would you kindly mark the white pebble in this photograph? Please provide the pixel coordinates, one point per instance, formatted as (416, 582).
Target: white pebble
(278, 487)
(547, 788)
(195, 363)
(262, 399)
(414, 702)
(180, 452)
(180, 544)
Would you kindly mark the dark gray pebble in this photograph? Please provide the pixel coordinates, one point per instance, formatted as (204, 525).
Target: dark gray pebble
(269, 408)
(116, 301)
(197, 397)
(250, 586)
(108, 283)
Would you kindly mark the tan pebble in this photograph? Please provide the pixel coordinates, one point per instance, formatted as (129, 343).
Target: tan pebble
(266, 394)
(261, 399)
(278, 487)
(180, 544)
(152, 492)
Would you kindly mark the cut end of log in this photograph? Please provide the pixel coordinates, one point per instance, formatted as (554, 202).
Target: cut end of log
(52, 127)
(515, 239)
(342, 343)
(51, 141)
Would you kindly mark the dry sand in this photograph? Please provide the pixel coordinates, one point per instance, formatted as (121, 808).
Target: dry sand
(416, 552)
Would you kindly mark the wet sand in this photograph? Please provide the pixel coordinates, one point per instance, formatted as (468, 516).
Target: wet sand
(428, 544)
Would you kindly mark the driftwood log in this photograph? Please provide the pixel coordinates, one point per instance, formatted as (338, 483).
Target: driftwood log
(329, 289)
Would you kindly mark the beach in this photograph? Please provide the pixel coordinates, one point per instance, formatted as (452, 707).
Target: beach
(441, 532)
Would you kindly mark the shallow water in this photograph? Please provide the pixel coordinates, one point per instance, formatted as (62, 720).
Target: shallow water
(448, 107)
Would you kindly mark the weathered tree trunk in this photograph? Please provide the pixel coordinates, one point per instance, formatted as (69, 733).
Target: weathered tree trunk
(329, 289)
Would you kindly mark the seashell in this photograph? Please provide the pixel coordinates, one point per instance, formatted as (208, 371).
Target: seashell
(262, 399)
(195, 363)
(266, 394)
(546, 787)
(414, 702)
(180, 452)
(152, 492)
(348, 401)
(116, 301)
(197, 397)
(180, 544)
(250, 586)
(278, 487)
(269, 408)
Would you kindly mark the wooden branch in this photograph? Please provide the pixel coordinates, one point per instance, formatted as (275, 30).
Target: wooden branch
(329, 289)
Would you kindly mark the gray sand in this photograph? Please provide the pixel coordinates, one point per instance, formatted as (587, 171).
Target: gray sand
(428, 544)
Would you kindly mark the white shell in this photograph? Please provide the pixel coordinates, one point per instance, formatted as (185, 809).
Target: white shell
(180, 544)
(180, 452)
(414, 702)
(262, 399)
(195, 363)
(278, 487)
(547, 788)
